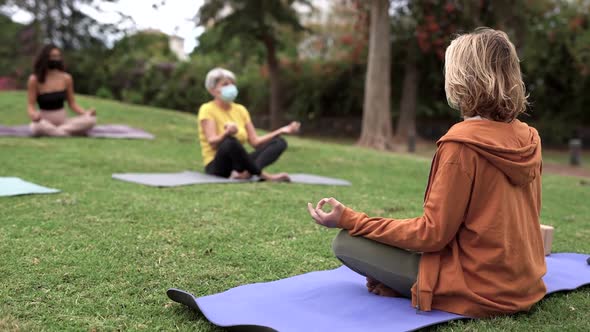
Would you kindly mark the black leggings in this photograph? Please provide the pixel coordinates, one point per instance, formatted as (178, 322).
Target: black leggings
(231, 155)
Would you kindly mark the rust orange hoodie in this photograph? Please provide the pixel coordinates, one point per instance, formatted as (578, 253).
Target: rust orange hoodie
(479, 234)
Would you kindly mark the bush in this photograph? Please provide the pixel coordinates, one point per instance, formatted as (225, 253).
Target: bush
(181, 88)
(315, 89)
(131, 96)
(104, 92)
(254, 89)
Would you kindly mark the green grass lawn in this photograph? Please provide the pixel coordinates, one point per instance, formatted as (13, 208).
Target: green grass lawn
(101, 254)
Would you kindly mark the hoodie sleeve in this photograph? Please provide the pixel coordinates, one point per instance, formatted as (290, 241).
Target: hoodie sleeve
(444, 211)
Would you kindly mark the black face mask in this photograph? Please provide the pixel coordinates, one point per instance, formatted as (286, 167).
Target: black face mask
(55, 64)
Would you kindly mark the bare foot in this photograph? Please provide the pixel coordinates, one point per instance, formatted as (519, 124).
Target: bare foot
(377, 288)
(279, 177)
(79, 133)
(371, 284)
(240, 175)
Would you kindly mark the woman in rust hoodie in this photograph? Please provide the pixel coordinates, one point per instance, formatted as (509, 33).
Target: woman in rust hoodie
(477, 249)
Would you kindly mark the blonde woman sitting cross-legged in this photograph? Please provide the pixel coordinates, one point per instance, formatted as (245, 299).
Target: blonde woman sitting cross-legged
(477, 249)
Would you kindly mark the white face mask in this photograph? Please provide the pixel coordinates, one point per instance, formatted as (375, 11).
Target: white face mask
(228, 93)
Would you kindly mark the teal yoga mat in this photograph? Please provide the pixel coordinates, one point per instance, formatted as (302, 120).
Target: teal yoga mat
(13, 186)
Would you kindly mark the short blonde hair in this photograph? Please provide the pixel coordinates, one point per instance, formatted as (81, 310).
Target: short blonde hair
(482, 76)
(217, 74)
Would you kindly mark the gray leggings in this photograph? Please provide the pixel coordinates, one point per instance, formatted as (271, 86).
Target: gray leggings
(394, 267)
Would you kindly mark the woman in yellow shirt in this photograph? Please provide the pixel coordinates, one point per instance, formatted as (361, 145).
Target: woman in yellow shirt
(225, 126)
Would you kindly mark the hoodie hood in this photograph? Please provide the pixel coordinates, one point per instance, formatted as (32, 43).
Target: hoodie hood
(514, 148)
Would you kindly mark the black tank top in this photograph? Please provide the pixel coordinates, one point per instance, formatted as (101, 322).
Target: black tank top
(51, 101)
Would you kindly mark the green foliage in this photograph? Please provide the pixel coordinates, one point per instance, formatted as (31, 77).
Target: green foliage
(258, 19)
(104, 92)
(63, 23)
(101, 254)
(239, 49)
(254, 88)
(245, 30)
(91, 69)
(123, 70)
(143, 46)
(552, 38)
(316, 89)
(180, 88)
(132, 97)
(556, 62)
(9, 51)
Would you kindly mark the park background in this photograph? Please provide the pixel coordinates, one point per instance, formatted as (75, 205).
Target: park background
(310, 57)
(99, 255)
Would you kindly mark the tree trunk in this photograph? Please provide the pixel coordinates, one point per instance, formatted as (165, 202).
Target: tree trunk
(66, 31)
(38, 38)
(377, 129)
(406, 126)
(275, 81)
(49, 22)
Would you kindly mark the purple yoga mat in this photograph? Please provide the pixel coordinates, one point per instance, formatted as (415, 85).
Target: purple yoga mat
(106, 131)
(337, 300)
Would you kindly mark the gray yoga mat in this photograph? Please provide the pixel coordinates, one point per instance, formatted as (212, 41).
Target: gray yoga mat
(190, 177)
(104, 131)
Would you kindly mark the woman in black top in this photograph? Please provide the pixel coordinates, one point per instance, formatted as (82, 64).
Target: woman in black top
(49, 87)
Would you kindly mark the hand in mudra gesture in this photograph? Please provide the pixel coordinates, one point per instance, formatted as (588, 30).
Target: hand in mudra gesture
(230, 128)
(36, 116)
(328, 219)
(292, 128)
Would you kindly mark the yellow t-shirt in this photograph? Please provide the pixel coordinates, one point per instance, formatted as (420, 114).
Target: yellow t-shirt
(237, 114)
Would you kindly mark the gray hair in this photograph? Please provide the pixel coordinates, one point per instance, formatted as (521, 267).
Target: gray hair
(217, 74)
